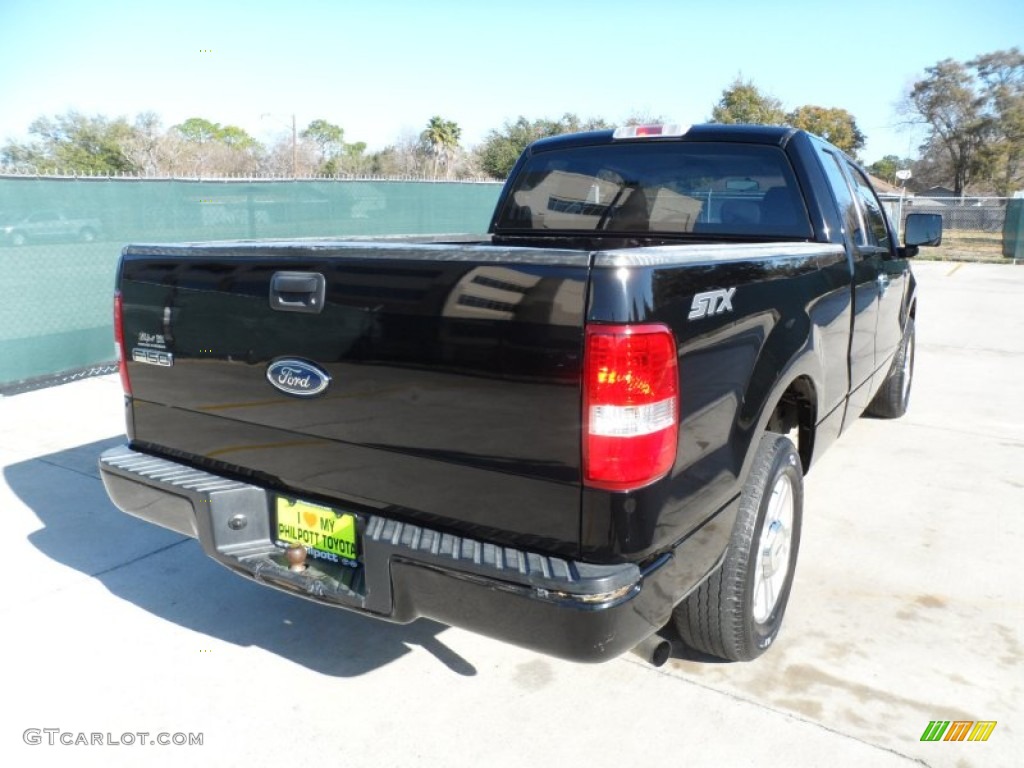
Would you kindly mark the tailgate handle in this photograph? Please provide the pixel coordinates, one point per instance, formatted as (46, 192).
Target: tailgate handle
(297, 292)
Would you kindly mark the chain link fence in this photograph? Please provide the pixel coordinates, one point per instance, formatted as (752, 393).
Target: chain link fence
(60, 239)
(982, 214)
(973, 228)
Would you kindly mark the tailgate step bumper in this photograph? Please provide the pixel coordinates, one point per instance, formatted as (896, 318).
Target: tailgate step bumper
(580, 611)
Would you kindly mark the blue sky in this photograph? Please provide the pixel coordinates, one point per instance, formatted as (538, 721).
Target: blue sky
(380, 69)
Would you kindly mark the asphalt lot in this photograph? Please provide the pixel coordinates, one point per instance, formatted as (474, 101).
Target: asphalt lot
(908, 607)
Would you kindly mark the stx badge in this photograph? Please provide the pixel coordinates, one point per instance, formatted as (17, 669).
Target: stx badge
(711, 303)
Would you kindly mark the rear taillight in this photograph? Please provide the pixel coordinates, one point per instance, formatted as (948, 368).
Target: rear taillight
(630, 405)
(122, 357)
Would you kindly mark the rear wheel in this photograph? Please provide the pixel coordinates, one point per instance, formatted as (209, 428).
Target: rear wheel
(893, 397)
(737, 611)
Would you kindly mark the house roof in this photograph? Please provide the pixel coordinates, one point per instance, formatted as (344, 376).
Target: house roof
(938, 192)
(883, 187)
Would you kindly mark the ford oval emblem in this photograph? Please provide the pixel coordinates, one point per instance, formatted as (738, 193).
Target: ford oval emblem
(297, 377)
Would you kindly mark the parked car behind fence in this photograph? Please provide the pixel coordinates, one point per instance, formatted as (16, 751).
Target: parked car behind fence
(47, 225)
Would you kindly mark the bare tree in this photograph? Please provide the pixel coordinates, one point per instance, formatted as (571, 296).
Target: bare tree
(406, 157)
(281, 159)
(947, 102)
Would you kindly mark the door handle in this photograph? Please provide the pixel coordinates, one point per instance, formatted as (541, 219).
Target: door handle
(883, 283)
(297, 292)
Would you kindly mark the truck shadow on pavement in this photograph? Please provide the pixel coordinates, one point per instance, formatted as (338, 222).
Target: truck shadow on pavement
(168, 575)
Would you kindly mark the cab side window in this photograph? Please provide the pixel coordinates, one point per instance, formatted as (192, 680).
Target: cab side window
(844, 198)
(877, 230)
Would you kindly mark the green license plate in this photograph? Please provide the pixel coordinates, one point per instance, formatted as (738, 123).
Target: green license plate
(325, 533)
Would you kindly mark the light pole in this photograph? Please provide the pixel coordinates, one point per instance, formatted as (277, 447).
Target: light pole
(902, 176)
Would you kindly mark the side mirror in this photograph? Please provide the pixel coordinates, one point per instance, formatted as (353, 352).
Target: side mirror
(923, 229)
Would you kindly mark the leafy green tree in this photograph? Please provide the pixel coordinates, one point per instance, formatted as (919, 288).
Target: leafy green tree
(334, 155)
(355, 157)
(743, 102)
(351, 160)
(328, 137)
(832, 124)
(214, 148)
(236, 137)
(501, 148)
(75, 143)
(198, 130)
(1001, 76)
(886, 168)
(201, 131)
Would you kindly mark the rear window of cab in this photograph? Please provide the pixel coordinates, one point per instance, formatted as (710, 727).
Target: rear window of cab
(659, 187)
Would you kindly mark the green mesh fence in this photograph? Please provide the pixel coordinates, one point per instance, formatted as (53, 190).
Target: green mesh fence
(60, 240)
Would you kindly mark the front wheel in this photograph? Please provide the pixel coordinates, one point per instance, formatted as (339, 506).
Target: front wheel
(737, 611)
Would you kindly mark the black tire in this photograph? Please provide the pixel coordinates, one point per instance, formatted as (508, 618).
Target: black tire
(892, 399)
(720, 617)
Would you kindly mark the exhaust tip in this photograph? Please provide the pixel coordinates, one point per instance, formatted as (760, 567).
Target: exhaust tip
(655, 650)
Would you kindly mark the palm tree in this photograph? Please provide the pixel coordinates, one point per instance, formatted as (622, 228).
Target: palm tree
(441, 138)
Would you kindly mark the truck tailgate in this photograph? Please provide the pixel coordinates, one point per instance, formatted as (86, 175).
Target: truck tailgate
(454, 390)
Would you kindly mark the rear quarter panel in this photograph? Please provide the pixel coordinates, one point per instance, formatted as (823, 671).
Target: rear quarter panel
(790, 318)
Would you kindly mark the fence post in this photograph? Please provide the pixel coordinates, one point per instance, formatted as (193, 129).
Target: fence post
(1013, 229)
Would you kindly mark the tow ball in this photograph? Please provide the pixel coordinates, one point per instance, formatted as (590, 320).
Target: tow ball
(296, 555)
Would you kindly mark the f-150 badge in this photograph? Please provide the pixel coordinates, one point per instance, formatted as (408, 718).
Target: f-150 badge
(711, 303)
(153, 357)
(297, 377)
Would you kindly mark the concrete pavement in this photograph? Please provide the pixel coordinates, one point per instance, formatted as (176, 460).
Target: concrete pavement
(908, 607)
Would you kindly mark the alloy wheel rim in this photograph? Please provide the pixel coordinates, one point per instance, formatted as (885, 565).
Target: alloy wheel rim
(773, 550)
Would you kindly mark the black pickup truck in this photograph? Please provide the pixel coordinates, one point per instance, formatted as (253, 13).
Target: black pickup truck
(566, 434)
